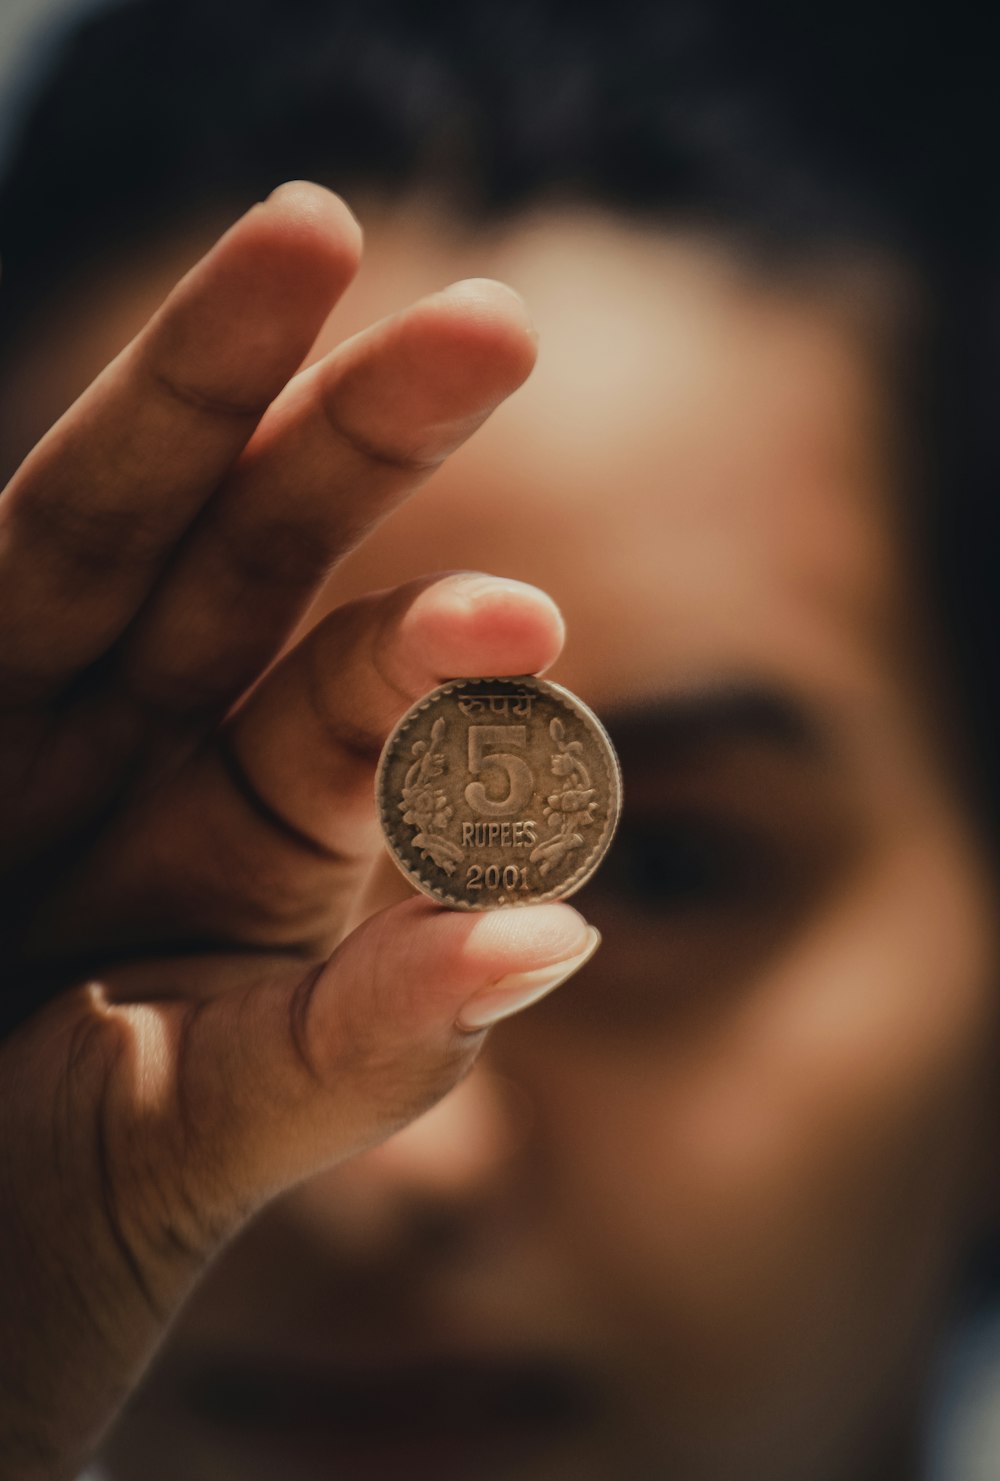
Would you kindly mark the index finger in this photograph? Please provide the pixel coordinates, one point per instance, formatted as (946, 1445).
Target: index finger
(91, 516)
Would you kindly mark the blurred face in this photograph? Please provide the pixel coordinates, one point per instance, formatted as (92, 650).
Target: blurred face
(695, 1215)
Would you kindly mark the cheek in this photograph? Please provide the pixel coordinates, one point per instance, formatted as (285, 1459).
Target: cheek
(761, 1190)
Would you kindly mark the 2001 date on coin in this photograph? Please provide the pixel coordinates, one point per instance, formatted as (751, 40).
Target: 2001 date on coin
(498, 792)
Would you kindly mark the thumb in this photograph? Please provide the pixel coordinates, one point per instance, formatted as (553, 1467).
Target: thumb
(143, 1133)
(284, 1081)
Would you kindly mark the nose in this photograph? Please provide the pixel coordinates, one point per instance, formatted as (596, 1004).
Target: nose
(430, 1184)
(462, 1144)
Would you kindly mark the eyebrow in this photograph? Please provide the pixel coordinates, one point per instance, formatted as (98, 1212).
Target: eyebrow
(723, 713)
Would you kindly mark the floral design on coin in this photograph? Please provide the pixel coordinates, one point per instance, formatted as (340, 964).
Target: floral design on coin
(427, 808)
(466, 799)
(569, 808)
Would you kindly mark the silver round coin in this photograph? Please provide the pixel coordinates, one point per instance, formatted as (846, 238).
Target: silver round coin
(498, 792)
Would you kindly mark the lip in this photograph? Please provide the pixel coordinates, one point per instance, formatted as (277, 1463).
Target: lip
(435, 1417)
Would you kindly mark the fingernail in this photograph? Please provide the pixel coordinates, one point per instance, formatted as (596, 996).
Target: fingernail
(481, 288)
(291, 187)
(480, 583)
(508, 996)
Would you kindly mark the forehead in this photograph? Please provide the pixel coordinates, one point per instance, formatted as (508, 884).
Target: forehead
(697, 470)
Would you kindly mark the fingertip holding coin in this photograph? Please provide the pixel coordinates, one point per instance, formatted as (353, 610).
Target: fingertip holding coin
(499, 792)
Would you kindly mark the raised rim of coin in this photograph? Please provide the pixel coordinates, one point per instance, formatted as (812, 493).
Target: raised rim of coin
(609, 759)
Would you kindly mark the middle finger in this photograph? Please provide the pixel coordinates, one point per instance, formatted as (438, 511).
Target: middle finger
(348, 441)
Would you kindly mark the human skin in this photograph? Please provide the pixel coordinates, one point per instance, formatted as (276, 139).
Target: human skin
(176, 1054)
(722, 1185)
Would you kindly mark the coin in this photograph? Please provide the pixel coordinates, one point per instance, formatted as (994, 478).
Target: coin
(498, 792)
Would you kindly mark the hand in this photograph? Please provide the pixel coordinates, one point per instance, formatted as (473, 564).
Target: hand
(184, 840)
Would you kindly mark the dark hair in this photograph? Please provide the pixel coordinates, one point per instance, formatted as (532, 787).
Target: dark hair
(747, 116)
(797, 128)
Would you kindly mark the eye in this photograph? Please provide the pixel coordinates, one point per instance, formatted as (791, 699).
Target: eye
(680, 864)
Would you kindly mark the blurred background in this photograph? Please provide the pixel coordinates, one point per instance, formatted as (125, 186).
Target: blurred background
(733, 1206)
